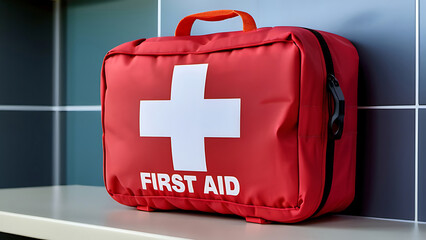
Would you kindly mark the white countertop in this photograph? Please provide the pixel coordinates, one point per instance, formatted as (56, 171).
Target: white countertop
(83, 212)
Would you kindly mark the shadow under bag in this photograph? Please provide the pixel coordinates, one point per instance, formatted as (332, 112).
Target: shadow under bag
(260, 123)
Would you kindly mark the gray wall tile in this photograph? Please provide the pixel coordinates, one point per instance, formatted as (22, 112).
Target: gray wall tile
(385, 164)
(93, 27)
(25, 149)
(383, 33)
(422, 165)
(26, 52)
(83, 148)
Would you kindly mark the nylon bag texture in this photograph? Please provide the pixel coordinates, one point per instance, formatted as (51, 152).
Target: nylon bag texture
(259, 123)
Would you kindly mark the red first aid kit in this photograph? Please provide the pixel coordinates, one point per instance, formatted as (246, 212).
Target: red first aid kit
(260, 123)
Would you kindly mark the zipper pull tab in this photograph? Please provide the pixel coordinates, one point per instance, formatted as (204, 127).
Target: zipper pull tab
(336, 119)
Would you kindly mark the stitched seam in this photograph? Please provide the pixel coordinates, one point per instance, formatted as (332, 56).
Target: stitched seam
(202, 52)
(298, 202)
(209, 200)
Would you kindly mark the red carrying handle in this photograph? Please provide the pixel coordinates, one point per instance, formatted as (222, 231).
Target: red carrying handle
(185, 25)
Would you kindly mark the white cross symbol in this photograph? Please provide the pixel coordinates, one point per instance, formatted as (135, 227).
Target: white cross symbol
(187, 118)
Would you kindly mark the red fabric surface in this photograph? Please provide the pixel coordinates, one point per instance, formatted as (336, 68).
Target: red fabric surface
(279, 159)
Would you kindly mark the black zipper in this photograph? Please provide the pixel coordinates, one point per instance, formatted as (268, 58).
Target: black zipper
(335, 124)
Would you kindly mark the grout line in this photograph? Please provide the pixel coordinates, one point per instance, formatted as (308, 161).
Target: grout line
(79, 108)
(56, 138)
(389, 107)
(159, 19)
(417, 53)
(416, 124)
(49, 108)
(98, 107)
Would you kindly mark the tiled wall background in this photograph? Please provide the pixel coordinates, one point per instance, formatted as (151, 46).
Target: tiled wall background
(392, 97)
(91, 28)
(26, 79)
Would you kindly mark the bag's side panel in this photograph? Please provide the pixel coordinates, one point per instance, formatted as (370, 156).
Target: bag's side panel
(345, 61)
(312, 122)
(103, 88)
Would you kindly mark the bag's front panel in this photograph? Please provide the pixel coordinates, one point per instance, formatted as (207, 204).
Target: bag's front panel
(219, 126)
